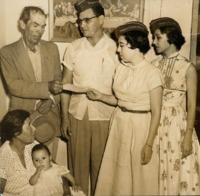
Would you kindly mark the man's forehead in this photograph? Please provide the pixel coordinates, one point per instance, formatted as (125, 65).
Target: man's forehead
(87, 13)
(35, 16)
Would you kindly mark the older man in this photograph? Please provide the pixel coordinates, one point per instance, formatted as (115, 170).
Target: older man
(31, 68)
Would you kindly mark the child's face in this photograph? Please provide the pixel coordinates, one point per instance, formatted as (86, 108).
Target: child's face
(41, 157)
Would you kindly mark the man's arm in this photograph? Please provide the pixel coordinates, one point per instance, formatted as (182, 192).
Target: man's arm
(18, 80)
(65, 99)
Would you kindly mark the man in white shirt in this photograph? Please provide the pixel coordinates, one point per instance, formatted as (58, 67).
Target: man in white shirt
(88, 62)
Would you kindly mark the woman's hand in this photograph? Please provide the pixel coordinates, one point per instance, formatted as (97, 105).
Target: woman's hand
(186, 145)
(93, 94)
(146, 154)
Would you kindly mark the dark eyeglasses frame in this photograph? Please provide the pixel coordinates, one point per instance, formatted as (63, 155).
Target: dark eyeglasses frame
(86, 20)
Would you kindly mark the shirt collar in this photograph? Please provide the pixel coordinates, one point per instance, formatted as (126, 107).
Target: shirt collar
(134, 66)
(175, 54)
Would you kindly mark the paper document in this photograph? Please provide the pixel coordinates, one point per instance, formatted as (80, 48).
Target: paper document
(71, 87)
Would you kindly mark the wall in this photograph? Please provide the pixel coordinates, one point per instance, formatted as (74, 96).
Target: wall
(181, 10)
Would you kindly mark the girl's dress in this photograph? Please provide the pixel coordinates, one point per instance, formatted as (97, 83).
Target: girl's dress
(121, 171)
(50, 181)
(177, 176)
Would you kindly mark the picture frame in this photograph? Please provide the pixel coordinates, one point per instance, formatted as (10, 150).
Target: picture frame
(62, 17)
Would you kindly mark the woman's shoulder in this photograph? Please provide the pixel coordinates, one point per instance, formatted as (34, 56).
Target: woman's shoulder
(5, 148)
(156, 61)
(150, 67)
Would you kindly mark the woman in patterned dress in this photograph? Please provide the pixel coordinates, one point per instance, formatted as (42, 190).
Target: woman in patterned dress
(178, 144)
(129, 165)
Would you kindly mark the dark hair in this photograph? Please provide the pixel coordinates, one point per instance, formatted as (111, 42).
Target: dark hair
(38, 147)
(174, 36)
(12, 123)
(26, 12)
(137, 39)
(97, 10)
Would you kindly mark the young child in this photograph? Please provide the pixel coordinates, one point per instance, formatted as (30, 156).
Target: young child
(47, 180)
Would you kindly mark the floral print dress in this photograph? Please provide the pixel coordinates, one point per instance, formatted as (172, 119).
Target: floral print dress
(177, 176)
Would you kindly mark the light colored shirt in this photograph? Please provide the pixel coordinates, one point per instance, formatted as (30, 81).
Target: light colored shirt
(36, 62)
(35, 58)
(93, 67)
(132, 84)
(14, 172)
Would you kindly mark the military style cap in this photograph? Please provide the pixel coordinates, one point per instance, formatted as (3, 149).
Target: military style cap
(83, 5)
(131, 26)
(164, 21)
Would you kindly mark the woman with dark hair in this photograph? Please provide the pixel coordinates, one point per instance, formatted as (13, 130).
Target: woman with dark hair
(178, 144)
(16, 167)
(129, 165)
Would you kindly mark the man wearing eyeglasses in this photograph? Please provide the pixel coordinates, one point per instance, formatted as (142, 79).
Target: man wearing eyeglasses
(89, 62)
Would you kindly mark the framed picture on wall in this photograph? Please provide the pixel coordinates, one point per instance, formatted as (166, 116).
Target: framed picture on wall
(62, 17)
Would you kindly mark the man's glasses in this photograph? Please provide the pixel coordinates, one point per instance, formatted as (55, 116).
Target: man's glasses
(86, 20)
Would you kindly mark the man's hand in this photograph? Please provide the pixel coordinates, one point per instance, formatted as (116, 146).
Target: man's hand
(44, 106)
(55, 87)
(65, 128)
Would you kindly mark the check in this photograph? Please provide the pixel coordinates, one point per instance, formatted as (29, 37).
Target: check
(71, 87)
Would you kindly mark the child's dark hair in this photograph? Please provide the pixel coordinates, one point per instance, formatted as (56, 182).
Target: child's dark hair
(38, 147)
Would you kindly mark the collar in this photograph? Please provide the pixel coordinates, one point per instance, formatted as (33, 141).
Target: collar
(134, 66)
(175, 54)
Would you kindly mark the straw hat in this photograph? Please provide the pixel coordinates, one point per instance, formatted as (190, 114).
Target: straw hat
(47, 126)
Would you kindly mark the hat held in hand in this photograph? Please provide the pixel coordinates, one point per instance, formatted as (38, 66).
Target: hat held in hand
(46, 126)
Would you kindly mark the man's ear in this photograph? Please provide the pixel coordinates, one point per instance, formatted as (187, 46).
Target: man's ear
(22, 24)
(101, 19)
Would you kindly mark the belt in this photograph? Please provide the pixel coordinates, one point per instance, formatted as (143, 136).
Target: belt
(123, 109)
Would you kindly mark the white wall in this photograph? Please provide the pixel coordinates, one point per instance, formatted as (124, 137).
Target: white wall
(181, 10)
